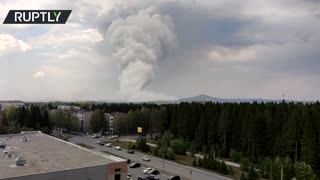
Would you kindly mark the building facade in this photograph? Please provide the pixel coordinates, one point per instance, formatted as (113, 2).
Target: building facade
(5, 105)
(84, 119)
(114, 120)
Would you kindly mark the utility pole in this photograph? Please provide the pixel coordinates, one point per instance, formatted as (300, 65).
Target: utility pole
(282, 172)
(165, 151)
(252, 151)
(296, 153)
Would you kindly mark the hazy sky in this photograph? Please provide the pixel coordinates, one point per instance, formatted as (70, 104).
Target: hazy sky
(149, 50)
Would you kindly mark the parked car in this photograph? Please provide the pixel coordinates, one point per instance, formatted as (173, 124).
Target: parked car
(112, 137)
(128, 161)
(129, 176)
(96, 136)
(100, 143)
(108, 145)
(147, 170)
(2, 145)
(146, 158)
(174, 178)
(141, 178)
(152, 178)
(117, 148)
(130, 151)
(154, 172)
(135, 165)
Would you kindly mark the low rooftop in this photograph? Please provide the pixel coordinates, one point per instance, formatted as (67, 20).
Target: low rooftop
(44, 153)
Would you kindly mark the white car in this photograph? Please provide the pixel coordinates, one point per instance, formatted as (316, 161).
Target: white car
(147, 170)
(146, 158)
(117, 148)
(96, 136)
(129, 176)
(108, 145)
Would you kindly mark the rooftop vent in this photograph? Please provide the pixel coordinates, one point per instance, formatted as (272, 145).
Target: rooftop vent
(20, 161)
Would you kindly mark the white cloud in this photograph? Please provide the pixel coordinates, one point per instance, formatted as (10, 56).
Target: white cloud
(224, 54)
(9, 44)
(39, 74)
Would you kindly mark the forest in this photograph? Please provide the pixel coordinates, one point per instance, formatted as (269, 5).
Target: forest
(258, 132)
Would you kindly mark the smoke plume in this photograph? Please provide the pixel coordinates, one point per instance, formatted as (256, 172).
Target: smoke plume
(138, 41)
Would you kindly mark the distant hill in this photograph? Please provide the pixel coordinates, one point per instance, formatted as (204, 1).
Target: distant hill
(206, 98)
(13, 101)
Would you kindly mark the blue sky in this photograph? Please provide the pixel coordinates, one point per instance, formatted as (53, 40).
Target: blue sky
(163, 49)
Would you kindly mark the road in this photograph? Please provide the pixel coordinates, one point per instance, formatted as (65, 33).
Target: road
(157, 163)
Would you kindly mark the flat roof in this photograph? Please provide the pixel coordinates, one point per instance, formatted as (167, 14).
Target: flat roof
(44, 153)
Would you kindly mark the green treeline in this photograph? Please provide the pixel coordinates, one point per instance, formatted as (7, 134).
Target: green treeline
(254, 133)
(33, 117)
(15, 119)
(255, 130)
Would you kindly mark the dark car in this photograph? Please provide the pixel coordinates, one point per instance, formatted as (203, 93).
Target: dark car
(128, 161)
(152, 178)
(130, 151)
(135, 165)
(2, 145)
(154, 172)
(174, 178)
(100, 143)
(141, 178)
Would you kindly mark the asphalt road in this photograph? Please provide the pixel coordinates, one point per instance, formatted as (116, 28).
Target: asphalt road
(186, 172)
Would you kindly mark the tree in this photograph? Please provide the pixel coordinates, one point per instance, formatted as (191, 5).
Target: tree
(98, 122)
(244, 164)
(12, 119)
(252, 174)
(192, 148)
(64, 119)
(224, 122)
(194, 162)
(141, 144)
(304, 171)
(309, 148)
(201, 132)
(178, 146)
(235, 156)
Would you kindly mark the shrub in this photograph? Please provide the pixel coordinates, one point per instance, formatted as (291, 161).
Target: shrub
(65, 138)
(243, 176)
(235, 156)
(304, 171)
(252, 173)
(223, 168)
(178, 146)
(244, 165)
(141, 144)
(194, 162)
